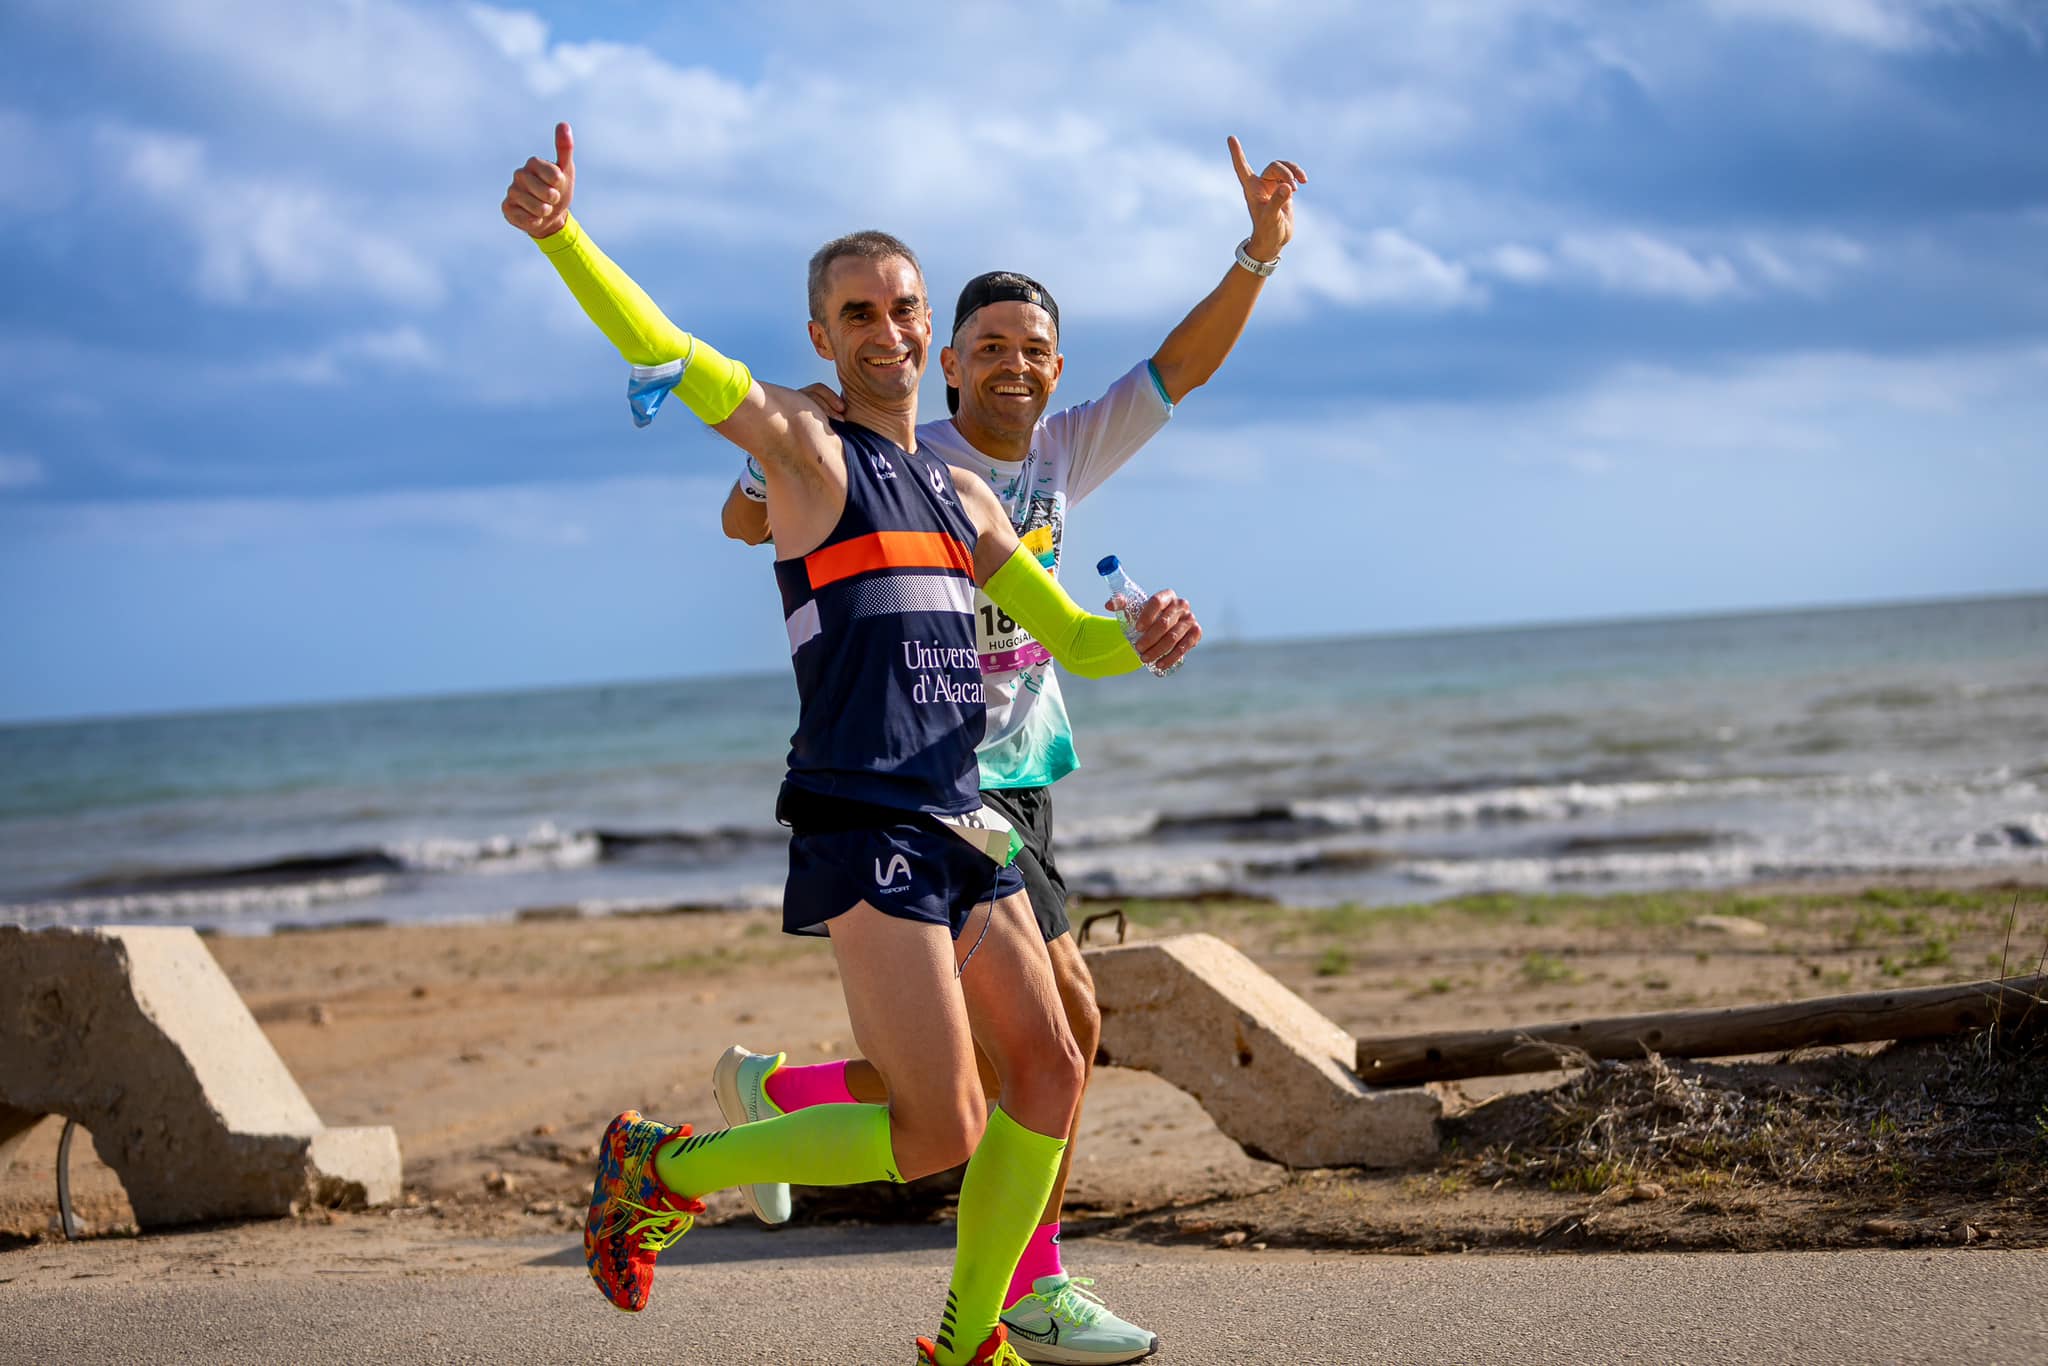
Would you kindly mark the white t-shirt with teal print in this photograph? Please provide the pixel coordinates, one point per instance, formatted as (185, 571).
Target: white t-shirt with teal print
(1029, 742)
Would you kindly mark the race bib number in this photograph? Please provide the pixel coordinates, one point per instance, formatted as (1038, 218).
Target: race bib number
(1006, 647)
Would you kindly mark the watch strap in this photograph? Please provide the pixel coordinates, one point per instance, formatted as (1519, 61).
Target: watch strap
(1251, 263)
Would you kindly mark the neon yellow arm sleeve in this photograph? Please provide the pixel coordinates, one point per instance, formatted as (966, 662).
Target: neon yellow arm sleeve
(1092, 646)
(711, 385)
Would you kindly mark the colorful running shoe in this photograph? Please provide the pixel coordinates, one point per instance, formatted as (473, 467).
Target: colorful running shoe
(995, 1352)
(739, 1083)
(633, 1217)
(1060, 1322)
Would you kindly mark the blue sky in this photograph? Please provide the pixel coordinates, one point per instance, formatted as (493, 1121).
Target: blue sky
(1593, 310)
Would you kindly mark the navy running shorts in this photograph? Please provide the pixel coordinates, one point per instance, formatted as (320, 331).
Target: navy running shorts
(903, 863)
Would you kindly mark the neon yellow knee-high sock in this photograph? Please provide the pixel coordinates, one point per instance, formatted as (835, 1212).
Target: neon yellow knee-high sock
(826, 1145)
(1007, 1181)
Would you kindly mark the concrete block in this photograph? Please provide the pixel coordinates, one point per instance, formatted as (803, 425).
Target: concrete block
(356, 1166)
(137, 1034)
(1271, 1070)
(14, 1127)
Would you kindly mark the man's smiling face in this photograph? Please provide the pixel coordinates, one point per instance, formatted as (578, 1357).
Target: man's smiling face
(877, 326)
(1005, 361)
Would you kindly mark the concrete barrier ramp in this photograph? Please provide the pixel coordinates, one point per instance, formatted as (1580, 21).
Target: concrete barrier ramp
(136, 1033)
(1270, 1069)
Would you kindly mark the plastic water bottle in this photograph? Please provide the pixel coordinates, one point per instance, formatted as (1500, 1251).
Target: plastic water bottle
(1132, 602)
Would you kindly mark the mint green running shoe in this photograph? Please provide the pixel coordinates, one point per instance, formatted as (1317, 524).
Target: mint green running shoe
(1060, 1322)
(737, 1084)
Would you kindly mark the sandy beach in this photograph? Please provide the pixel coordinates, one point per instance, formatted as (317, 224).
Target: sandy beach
(498, 1050)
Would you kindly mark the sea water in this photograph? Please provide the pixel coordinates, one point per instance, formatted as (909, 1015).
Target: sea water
(1697, 751)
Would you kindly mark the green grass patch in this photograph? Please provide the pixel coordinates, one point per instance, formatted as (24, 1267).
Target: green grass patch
(1594, 1177)
(1931, 953)
(1543, 969)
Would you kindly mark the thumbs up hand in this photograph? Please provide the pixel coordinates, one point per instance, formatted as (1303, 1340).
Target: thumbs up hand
(537, 201)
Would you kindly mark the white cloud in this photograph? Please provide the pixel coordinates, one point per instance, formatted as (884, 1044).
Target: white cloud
(520, 35)
(1805, 264)
(1948, 411)
(1806, 401)
(1916, 409)
(1378, 268)
(1895, 25)
(1630, 262)
(254, 237)
(394, 124)
(379, 71)
(18, 471)
(398, 349)
(1135, 219)
(1513, 261)
(1633, 262)
(671, 118)
(1259, 452)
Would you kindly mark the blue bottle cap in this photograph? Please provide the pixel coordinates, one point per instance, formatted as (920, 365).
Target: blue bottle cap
(1108, 564)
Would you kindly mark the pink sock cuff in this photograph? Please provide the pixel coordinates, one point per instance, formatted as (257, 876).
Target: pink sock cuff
(1041, 1258)
(799, 1088)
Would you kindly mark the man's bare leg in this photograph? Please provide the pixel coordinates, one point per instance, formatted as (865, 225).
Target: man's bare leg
(864, 1081)
(1076, 987)
(1055, 1314)
(911, 1020)
(910, 1013)
(1013, 1010)
(917, 999)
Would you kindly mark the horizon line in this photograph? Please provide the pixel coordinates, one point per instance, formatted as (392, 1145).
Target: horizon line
(31, 722)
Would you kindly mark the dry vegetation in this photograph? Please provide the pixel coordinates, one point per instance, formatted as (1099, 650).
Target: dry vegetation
(1939, 1141)
(1967, 1116)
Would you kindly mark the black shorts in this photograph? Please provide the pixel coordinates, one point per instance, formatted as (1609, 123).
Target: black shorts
(903, 863)
(1030, 810)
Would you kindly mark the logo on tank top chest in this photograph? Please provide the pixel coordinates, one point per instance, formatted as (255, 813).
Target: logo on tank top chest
(881, 466)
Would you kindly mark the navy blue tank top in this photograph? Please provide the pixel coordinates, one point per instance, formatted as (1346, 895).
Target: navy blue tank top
(881, 633)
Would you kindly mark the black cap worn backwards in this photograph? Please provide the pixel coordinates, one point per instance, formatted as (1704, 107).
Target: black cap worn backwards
(998, 287)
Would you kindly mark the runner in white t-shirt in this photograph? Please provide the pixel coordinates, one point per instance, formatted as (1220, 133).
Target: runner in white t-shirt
(1002, 367)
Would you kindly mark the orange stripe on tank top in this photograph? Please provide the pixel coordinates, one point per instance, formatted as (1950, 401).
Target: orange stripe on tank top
(887, 550)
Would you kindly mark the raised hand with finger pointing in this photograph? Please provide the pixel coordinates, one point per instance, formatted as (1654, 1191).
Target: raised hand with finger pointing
(1269, 196)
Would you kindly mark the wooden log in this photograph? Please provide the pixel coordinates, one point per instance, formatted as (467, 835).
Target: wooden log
(1919, 1013)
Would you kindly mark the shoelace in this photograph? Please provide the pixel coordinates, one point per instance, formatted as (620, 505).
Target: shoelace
(664, 1227)
(1006, 1355)
(1072, 1302)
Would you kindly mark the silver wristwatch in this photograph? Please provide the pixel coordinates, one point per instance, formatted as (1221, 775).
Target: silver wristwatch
(1257, 267)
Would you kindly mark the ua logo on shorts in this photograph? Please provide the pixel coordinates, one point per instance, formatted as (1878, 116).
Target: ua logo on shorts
(897, 864)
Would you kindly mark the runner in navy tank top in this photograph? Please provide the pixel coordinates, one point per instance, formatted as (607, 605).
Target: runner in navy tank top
(881, 634)
(889, 844)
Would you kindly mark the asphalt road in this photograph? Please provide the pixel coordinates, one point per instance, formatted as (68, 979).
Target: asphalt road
(859, 1295)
